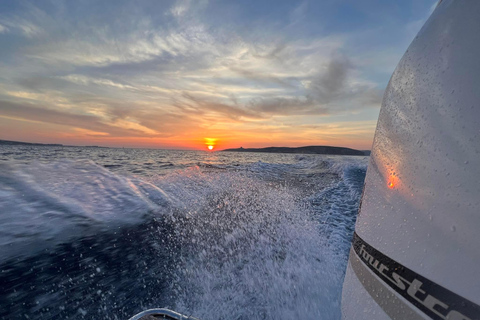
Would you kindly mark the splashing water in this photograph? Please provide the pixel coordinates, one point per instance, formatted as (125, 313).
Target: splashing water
(228, 239)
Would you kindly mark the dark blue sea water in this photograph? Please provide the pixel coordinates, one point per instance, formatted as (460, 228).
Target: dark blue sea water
(98, 233)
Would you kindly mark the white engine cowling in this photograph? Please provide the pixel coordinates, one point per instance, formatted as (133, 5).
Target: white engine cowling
(416, 248)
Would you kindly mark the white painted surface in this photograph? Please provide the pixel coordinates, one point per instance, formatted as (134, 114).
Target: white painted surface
(356, 302)
(427, 145)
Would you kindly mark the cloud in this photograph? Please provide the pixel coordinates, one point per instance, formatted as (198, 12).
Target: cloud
(204, 106)
(280, 106)
(331, 91)
(325, 92)
(85, 80)
(25, 22)
(173, 68)
(27, 28)
(330, 84)
(122, 125)
(263, 78)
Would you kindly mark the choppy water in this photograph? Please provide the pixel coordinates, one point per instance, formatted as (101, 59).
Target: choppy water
(96, 233)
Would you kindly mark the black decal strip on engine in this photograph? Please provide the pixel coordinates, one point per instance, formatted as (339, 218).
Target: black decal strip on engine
(392, 304)
(432, 299)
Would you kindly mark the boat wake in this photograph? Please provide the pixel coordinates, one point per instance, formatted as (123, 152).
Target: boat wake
(255, 241)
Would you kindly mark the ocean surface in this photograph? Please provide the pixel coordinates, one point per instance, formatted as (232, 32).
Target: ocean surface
(100, 233)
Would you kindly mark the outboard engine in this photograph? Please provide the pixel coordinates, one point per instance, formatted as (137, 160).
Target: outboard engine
(156, 314)
(416, 247)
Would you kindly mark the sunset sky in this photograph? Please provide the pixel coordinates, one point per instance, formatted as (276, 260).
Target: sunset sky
(173, 74)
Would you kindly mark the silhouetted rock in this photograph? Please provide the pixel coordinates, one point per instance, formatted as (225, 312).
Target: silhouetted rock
(15, 143)
(306, 150)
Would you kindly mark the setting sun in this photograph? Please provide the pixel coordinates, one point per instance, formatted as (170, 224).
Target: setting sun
(210, 143)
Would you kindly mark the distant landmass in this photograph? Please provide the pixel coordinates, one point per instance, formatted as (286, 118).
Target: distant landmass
(306, 150)
(14, 143)
(20, 143)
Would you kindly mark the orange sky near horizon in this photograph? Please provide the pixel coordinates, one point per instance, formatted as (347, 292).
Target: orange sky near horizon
(359, 137)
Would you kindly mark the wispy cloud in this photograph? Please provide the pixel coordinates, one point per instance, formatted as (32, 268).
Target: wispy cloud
(175, 70)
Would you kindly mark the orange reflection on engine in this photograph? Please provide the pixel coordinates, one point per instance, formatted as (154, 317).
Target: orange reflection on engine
(391, 181)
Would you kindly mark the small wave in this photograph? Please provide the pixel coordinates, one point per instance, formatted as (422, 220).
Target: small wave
(166, 164)
(112, 165)
(46, 204)
(337, 205)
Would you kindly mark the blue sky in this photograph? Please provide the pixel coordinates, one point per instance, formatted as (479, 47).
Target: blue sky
(169, 74)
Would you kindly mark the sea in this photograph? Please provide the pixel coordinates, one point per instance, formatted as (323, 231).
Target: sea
(104, 233)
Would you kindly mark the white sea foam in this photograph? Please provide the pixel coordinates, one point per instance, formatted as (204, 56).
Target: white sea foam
(257, 255)
(45, 204)
(253, 249)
